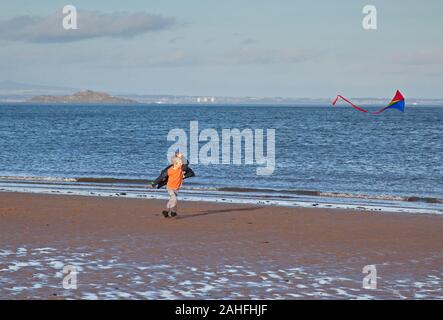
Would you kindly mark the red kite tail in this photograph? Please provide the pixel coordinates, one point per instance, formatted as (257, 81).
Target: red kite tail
(353, 105)
(379, 111)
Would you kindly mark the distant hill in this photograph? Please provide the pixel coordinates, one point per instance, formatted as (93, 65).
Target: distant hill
(84, 96)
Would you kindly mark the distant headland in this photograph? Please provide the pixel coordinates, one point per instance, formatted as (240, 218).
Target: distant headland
(84, 96)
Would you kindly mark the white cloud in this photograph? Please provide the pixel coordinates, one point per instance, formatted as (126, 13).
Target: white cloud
(91, 24)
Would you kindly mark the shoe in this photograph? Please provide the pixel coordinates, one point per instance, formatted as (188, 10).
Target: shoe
(165, 213)
(173, 214)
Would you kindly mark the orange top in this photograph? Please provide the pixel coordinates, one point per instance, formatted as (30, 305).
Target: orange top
(175, 178)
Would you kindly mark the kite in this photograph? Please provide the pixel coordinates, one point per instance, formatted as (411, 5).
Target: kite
(398, 102)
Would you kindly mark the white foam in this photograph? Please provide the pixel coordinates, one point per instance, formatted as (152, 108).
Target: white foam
(5, 253)
(89, 296)
(16, 265)
(110, 191)
(56, 264)
(167, 294)
(22, 251)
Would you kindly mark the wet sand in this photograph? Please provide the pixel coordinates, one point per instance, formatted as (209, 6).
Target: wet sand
(124, 248)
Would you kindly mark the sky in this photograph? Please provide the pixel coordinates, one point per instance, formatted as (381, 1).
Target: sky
(281, 48)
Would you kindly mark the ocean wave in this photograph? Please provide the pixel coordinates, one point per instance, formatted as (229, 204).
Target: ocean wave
(382, 197)
(335, 194)
(424, 199)
(37, 179)
(298, 192)
(113, 180)
(241, 190)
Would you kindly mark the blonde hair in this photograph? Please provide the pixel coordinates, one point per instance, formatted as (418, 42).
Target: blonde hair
(175, 160)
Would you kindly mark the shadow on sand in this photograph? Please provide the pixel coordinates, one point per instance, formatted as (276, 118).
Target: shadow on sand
(209, 212)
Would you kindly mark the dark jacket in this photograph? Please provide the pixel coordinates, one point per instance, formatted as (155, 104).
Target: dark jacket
(162, 179)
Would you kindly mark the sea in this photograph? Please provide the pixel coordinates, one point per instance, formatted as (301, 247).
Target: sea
(326, 157)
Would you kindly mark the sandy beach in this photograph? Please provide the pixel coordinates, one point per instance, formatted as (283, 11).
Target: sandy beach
(124, 249)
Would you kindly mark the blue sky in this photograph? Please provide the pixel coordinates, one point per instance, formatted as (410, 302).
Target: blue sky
(231, 47)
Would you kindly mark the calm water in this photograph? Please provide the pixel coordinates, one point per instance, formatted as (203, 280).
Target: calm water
(317, 148)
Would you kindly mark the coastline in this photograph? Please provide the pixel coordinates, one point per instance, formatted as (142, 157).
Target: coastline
(124, 249)
(140, 189)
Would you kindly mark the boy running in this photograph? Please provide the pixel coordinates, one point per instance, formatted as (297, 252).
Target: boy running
(175, 180)
(172, 177)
